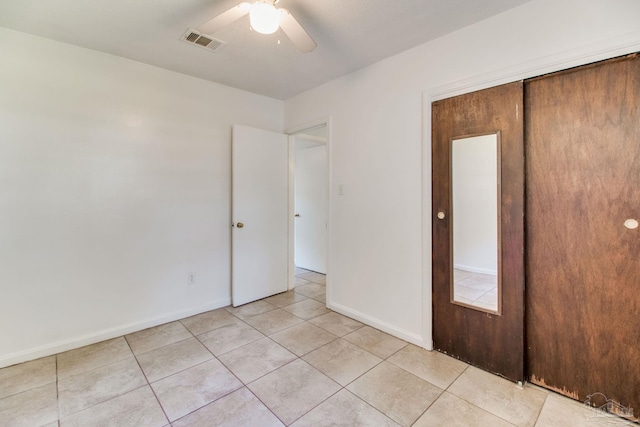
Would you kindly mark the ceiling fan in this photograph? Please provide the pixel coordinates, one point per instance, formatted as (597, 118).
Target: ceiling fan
(265, 19)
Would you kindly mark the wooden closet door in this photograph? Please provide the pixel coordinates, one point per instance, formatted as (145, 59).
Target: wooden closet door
(491, 341)
(582, 137)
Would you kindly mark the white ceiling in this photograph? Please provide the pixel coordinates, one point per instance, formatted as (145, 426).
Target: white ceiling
(351, 34)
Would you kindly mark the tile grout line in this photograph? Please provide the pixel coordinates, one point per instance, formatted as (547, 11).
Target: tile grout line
(471, 403)
(422, 379)
(265, 405)
(329, 397)
(279, 330)
(219, 361)
(344, 387)
(370, 405)
(442, 393)
(181, 370)
(540, 411)
(148, 383)
(304, 361)
(104, 401)
(246, 385)
(456, 378)
(360, 348)
(428, 407)
(91, 370)
(157, 348)
(57, 392)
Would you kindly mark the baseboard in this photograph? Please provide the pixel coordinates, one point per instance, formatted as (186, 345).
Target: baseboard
(106, 334)
(411, 337)
(475, 270)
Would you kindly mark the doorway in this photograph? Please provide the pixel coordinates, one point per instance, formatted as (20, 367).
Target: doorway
(264, 209)
(309, 202)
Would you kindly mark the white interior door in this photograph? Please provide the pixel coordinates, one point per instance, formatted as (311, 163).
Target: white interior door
(259, 213)
(311, 199)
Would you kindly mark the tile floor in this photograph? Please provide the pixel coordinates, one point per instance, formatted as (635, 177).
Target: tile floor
(285, 360)
(476, 289)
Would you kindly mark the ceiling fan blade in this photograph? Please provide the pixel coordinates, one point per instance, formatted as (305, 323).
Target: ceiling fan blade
(296, 33)
(224, 19)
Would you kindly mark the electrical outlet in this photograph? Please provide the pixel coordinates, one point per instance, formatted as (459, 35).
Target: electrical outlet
(191, 278)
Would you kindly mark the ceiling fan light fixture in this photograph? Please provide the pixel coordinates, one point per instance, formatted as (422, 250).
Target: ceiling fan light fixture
(264, 18)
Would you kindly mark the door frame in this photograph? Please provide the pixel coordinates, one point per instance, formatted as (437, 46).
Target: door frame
(610, 48)
(291, 132)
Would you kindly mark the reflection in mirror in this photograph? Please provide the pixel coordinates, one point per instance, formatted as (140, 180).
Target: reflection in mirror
(475, 200)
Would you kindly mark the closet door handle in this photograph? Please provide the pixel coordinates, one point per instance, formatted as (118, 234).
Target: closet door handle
(441, 215)
(631, 224)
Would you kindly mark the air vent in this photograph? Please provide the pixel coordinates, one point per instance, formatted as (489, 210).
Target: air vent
(202, 40)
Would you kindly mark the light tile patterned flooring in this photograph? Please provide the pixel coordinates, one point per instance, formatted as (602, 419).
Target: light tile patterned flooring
(284, 360)
(480, 290)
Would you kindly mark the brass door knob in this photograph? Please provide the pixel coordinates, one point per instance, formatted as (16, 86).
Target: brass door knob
(240, 225)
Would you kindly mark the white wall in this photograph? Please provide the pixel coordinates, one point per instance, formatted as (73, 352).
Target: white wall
(114, 185)
(474, 182)
(379, 246)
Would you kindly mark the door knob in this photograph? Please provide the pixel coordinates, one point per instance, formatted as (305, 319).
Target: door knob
(441, 215)
(297, 215)
(631, 224)
(240, 225)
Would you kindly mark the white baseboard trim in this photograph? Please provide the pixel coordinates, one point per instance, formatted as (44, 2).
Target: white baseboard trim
(411, 337)
(475, 269)
(106, 334)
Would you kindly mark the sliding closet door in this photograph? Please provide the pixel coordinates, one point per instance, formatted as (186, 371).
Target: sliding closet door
(583, 250)
(478, 207)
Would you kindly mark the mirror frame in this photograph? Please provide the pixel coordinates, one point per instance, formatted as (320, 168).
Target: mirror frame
(498, 135)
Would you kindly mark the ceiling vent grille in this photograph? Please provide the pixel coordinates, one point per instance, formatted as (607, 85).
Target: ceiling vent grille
(202, 40)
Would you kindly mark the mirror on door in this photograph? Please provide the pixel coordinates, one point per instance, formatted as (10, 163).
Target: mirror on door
(475, 195)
